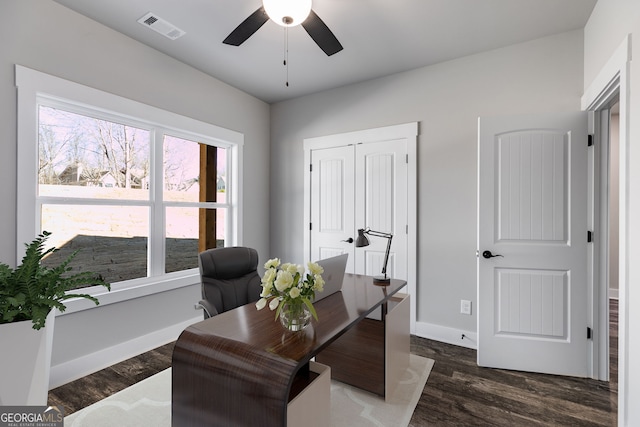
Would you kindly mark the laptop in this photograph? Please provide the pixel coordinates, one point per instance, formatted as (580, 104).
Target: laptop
(333, 275)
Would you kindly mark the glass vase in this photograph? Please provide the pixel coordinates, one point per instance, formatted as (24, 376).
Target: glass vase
(295, 317)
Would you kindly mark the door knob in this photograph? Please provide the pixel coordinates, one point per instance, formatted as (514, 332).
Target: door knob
(349, 240)
(488, 254)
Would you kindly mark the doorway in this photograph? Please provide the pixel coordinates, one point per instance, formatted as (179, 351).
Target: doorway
(614, 79)
(614, 239)
(364, 179)
(607, 165)
(605, 208)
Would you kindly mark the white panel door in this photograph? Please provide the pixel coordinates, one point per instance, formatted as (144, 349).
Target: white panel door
(332, 197)
(381, 205)
(359, 186)
(532, 218)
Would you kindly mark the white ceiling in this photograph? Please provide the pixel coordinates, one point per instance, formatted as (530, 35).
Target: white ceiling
(380, 37)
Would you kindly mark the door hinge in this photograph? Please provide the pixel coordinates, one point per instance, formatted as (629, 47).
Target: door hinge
(310, 167)
(589, 237)
(310, 226)
(589, 140)
(589, 334)
(407, 159)
(406, 229)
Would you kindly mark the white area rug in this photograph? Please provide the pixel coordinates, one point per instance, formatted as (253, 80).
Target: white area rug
(148, 403)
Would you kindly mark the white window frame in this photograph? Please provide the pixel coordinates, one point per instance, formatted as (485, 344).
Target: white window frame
(35, 89)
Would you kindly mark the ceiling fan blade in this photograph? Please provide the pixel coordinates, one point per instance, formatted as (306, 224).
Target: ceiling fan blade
(247, 28)
(321, 34)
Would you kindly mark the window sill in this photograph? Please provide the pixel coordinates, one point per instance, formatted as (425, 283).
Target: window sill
(131, 289)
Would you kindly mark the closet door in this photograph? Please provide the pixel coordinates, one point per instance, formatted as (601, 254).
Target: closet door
(381, 205)
(358, 186)
(332, 199)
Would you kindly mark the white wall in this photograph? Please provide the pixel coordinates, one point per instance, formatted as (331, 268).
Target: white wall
(610, 22)
(446, 99)
(43, 35)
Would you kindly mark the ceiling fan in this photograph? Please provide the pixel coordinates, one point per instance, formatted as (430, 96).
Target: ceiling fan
(287, 13)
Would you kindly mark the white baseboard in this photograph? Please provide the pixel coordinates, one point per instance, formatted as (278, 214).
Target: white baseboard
(613, 293)
(447, 335)
(85, 365)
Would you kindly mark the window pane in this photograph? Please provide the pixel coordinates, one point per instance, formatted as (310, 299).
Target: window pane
(112, 239)
(189, 232)
(184, 180)
(81, 156)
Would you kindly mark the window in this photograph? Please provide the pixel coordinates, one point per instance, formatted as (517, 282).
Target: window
(137, 190)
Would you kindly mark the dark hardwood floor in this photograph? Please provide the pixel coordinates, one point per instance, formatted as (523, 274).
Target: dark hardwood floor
(458, 392)
(87, 390)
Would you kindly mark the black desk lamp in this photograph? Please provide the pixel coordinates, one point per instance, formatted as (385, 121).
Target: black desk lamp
(362, 240)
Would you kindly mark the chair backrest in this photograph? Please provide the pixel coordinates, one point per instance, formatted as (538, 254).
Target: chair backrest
(229, 277)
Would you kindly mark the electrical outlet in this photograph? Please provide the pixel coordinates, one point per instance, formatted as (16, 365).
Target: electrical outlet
(465, 306)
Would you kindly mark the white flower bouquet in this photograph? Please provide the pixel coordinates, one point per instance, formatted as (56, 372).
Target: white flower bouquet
(289, 287)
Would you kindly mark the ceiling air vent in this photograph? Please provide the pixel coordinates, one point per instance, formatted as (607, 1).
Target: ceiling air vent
(151, 20)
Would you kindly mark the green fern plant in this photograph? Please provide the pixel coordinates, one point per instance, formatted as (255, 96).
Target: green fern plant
(32, 290)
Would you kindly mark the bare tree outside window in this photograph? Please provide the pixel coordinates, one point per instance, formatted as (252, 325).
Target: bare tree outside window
(86, 159)
(86, 151)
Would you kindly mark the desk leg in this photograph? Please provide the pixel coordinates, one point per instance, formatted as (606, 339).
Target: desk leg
(398, 341)
(374, 354)
(312, 406)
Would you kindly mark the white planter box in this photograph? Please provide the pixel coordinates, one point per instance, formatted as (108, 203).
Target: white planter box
(25, 362)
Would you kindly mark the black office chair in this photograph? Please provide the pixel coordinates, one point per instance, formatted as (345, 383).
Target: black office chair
(229, 279)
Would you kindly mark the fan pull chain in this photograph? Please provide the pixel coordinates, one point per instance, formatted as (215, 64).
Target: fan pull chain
(286, 54)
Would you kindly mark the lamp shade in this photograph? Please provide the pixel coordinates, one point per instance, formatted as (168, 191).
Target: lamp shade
(361, 240)
(287, 13)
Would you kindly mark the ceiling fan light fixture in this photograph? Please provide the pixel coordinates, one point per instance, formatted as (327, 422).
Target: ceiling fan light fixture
(287, 13)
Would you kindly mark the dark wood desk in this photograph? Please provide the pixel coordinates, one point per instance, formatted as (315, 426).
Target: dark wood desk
(241, 368)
